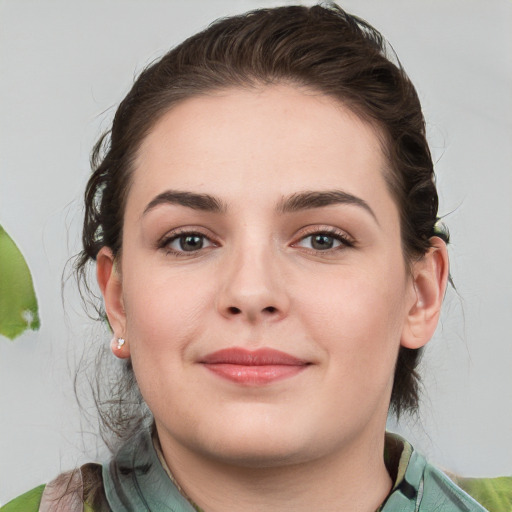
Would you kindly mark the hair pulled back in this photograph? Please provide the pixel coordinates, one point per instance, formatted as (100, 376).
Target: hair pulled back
(321, 48)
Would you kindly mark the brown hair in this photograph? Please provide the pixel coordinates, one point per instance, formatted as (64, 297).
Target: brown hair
(319, 47)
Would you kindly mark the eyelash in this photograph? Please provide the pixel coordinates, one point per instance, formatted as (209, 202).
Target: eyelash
(337, 235)
(165, 241)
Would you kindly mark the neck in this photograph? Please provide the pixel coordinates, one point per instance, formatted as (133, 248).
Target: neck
(353, 478)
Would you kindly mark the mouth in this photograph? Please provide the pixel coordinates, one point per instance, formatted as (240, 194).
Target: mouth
(255, 368)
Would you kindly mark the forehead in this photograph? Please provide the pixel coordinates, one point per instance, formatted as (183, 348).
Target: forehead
(268, 141)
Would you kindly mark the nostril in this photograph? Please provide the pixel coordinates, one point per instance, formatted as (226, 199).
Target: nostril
(233, 310)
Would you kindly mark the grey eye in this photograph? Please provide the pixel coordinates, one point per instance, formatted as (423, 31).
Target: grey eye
(188, 242)
(191, 242)
(322, 242)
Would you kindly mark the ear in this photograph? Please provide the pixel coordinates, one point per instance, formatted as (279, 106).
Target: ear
(110, 283)
(429, 278)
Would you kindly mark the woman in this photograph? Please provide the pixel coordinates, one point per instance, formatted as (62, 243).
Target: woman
(263, 219)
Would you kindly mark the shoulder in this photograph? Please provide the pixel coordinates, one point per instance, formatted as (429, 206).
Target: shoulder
(421, 487)
(495, 494)
(472, 494)
(80, 490)
(441, 491)
(27, 502)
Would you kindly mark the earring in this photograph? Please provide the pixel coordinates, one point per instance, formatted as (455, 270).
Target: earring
(119, 348)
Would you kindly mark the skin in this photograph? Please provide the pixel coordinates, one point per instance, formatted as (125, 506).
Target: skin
(258, 281)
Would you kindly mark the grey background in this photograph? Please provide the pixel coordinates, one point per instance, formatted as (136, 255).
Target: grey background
(65, 64)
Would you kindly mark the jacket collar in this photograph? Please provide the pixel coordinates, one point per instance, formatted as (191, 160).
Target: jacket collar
(135, 479)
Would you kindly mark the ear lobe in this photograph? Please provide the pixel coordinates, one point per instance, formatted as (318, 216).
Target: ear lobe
(109, 281)
(430, 275)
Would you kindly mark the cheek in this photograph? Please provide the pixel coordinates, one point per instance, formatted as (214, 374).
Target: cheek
(164, 309)
(356, 317)
(165, 314)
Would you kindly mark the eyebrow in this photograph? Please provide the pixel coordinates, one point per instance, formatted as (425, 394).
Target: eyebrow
(203, 202)
(317, 199)
(294, 203)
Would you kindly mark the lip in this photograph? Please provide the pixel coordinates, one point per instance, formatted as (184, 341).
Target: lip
(253, 367)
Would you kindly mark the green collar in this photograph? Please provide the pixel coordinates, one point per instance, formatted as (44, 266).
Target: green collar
(136, 480)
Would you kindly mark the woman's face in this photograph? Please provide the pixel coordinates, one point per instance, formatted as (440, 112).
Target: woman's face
(263, 292)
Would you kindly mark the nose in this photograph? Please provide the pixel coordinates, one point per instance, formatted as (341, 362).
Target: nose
(253, 287)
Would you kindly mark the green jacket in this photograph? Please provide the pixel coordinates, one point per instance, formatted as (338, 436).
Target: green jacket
(135, 480)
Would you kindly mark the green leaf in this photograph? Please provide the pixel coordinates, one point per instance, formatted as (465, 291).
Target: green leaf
(18, 303)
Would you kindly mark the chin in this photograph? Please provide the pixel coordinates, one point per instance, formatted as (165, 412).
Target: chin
(257, 444)
(261, 453)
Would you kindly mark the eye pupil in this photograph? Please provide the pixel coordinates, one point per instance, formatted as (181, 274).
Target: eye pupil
(322, 242)
(191, 242)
